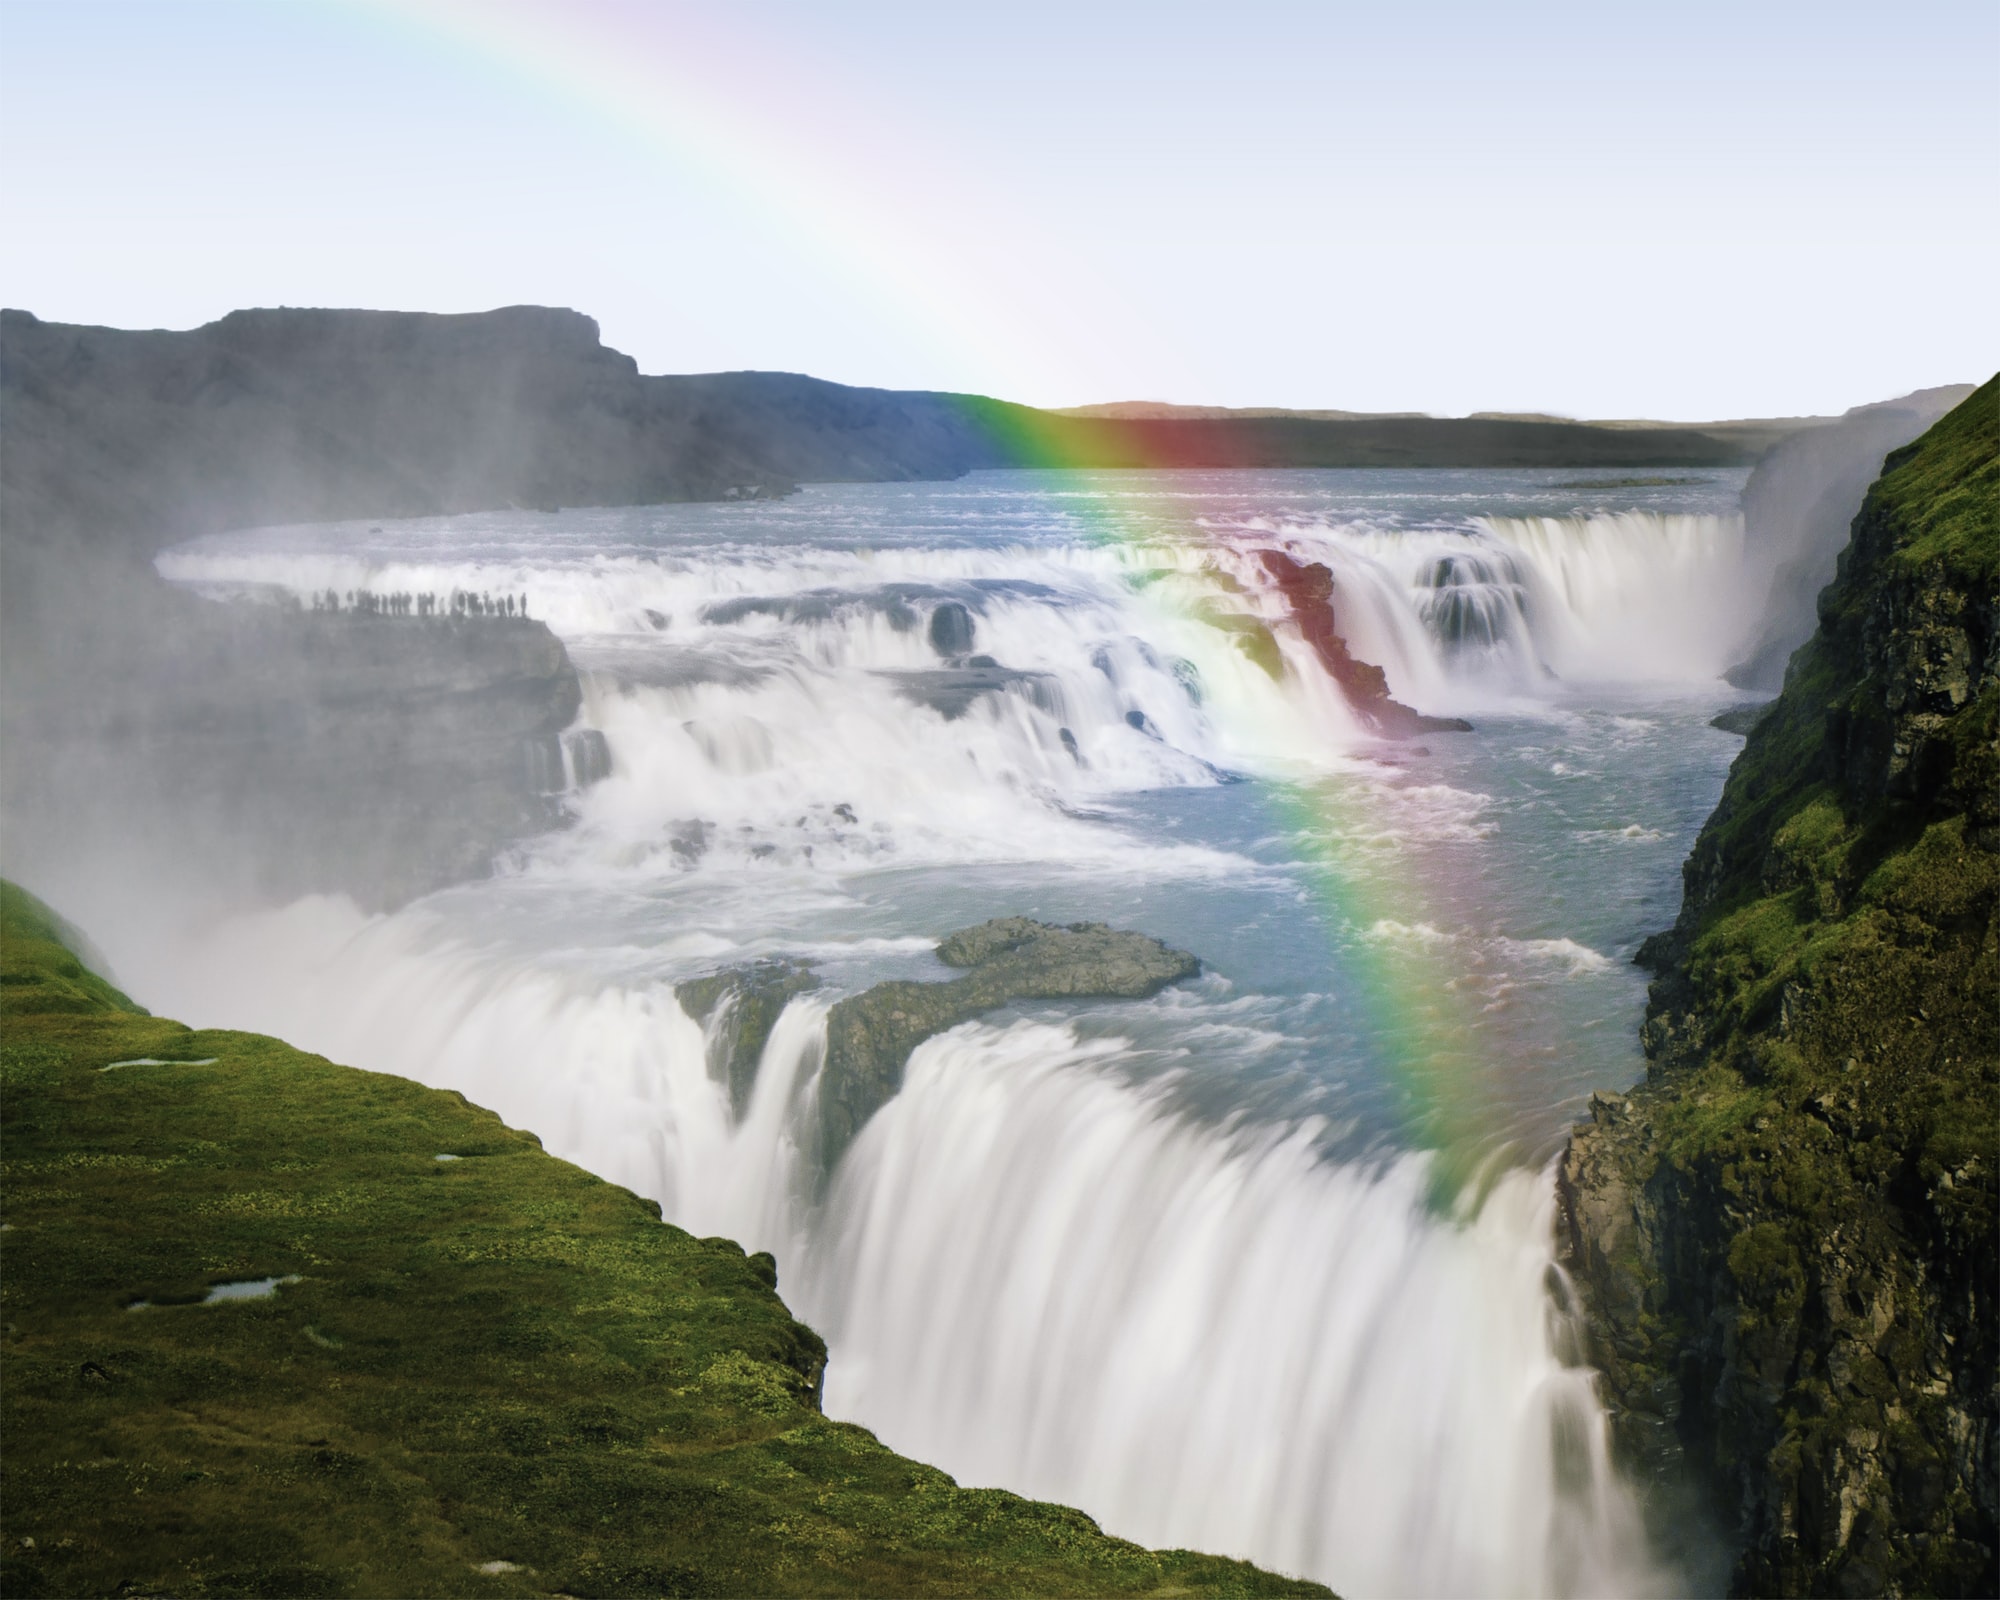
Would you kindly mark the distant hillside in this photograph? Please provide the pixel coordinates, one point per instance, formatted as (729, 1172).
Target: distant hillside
(1161, 410)
(1747, 435)
(1280, 439)
(141, 439)
(290, 416)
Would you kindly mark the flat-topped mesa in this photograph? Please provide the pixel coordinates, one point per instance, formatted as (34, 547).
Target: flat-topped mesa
(869, 1036)
(1308, 590)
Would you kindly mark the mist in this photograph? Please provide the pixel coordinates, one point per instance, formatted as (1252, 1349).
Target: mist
(1797, 508)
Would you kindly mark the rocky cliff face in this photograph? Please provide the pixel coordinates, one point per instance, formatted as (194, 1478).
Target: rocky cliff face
(1308, 592)
(250, 754)
(1786, 1236)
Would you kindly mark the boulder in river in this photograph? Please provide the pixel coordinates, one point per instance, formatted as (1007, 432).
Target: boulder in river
(951, 629)
(869, 1036)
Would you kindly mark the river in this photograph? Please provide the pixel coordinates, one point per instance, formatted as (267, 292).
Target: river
(1262, 1265)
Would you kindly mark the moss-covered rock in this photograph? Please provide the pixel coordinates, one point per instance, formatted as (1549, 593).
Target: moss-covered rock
(869, 1036)
(473, 1368)
(1786, 1237)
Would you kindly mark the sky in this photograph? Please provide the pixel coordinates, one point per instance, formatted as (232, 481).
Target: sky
(1682, 210)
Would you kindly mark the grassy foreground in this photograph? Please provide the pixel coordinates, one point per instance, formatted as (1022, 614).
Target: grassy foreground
(491, 1375)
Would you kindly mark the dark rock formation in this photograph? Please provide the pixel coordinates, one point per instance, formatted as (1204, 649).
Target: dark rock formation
(869, 1036)
(951, 629)
(1797, 508)
(739, 1007)
(1308, 590)
(1739, 719)
(1786, 1236)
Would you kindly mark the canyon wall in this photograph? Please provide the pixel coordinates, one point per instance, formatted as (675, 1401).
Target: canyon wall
(1786, 1236)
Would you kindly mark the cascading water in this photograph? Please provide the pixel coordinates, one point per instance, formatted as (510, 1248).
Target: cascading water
(1063, 1286)
(1640, 595)
(1179, 1262)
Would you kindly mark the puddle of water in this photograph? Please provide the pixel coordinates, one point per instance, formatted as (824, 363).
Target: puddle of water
(156, 1061)
(241, 1289)
(246, 1289)
(447, 1158)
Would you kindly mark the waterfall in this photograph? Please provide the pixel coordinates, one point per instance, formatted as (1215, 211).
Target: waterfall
(1459, 614)
(1637, 595)
(1034, 1272)
(1034, 1275)
(1503, 606)
(1173, 1263)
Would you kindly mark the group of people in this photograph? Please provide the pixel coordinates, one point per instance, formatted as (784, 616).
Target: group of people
(459, 603)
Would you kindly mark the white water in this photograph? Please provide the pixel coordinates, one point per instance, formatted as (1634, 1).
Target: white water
(1172, 1262)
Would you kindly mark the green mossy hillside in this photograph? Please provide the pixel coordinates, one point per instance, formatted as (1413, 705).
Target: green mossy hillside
(40, 970)
(486, 1375)
(1787, 1236)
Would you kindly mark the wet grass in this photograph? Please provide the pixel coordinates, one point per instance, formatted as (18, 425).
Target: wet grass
(493, 1375)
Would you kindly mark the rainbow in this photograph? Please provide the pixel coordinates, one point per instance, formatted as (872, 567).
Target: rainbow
(1384, 919)
(736, 115)
(659, 76)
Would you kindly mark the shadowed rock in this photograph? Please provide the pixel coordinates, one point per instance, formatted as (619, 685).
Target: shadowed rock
(951, 629)
(589, 756)
(1740, 719)
(950, 691)
(255, 753)
(869, 1036)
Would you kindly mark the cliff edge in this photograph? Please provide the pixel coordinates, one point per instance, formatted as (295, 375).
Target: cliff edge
(279, 1327)
(1786, 1236)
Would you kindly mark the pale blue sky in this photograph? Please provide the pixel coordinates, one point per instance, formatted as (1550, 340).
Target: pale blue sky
(1678, 210)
